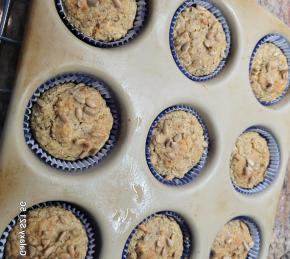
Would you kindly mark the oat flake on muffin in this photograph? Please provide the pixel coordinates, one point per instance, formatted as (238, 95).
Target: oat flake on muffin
(249, 160)
(105, 20)
(51, 233)
(159, 237)
(199, 40)
(71, 121)
(269, 73)
(177, 144)
(233, 241)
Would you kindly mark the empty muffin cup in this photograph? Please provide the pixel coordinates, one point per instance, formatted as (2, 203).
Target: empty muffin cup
(240, 237)
(200, 40)
(177, 145)
(72, 121)
(64, 213)
(255, 161)
(104, 24)
(175, 239)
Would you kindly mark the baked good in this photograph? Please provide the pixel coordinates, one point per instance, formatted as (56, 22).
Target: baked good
(199, 40)
(234, 241)
(249, 160)
(159, 237)
(71, 121)
(177, 144)
(105, 20)
(50, 233)
(269, 72)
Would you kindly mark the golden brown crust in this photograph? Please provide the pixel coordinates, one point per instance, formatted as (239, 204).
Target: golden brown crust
(51, 233)
(71, 121)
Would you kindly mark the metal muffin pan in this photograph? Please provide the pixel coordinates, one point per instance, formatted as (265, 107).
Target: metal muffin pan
(121, 191)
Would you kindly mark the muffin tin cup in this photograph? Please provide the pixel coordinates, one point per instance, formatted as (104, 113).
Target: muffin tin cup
(80, 164)
(193, 172)
(284, 45)
(220, 17)
(273, 167)
(179, 220)
(139, 22)
(84, 218)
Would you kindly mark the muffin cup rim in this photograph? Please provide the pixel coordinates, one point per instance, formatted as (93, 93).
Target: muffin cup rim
(196, 169)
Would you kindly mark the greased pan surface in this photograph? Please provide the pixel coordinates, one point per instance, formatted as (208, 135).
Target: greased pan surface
(121, 191)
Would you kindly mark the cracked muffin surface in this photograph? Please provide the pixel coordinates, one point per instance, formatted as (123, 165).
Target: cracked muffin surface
(105, 20)
(249, 160)
(159, 237)
(177, 144)
(199, 40)
(50, 233)
(233, 241)
(71, 121)
(269, 72)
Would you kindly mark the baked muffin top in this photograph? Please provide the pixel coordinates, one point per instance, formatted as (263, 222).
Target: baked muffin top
(105, 20)
(159, 237)
(177, 144)
(199, 40)
(71, 121)
(50, 233)
(233, 241)
(249, 160)
(269, 72)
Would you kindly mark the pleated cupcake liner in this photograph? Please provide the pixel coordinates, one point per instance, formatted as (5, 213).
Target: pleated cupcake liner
(220, 17)
(139, 22)
(195, 170)
(87, 162)
(79, 213)
(283, 44)
(187, 238)
(273, 167)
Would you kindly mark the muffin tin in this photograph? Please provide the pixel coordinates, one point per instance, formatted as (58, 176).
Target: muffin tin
(121, 191)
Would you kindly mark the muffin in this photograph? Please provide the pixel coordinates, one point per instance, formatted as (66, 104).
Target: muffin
(50, 233)
(177, 144)
(71, 121)
(233, 241)
(249, 160)
(105, 20)
(159, 237)
(199, 40)
(269, 73)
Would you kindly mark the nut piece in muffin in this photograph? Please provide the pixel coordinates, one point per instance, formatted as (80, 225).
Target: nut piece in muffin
(249, 160)
(177, 144)
(269, 73)
(159, 237)
(51, 233)
(233, 241)
(71, 121)
(199, 40)
(105, 20)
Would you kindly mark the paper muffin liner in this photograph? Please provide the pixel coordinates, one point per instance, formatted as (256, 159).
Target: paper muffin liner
(187, 238)
(220, 17)
(274, 163)
(283, 44)
(80, 164)
(141, 15)
(86, 220)
(194, 171)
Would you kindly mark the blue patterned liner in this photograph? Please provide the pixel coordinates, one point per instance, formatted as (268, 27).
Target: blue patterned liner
(80, 164)
(274, 164)
(283, 44)
(83, 216)
(187, 246)
(139, 22)
(193, 172)
(218, 14)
